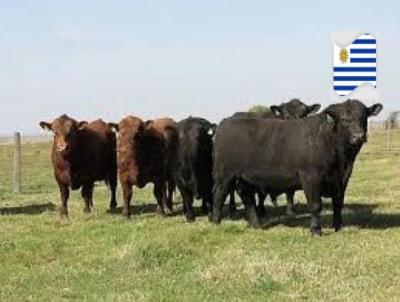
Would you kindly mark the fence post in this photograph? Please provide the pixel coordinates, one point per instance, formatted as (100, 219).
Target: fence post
(388, 137)
(17, 162)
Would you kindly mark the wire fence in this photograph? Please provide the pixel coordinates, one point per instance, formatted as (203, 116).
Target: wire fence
(382, 138)
(23, 158)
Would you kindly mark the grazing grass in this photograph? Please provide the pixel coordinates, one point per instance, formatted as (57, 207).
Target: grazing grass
(103, 257)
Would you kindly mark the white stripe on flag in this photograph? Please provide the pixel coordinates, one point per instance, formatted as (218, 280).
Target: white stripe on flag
(352, 83)
(366, 36)
(368, 46)
(363, 55)
(354, 74)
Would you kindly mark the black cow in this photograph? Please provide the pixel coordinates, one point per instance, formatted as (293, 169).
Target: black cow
(315, 154)
(193, 163)
(294, 109)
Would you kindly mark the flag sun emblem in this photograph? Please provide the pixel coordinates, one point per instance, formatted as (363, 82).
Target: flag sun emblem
(343, 55)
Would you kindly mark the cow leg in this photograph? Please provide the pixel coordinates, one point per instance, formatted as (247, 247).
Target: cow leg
(171, 188)
(87, 195)
(274, 200)
(248, 198)
(127, 192)
(337, 203)
(187, 197)
(261, 207)
(207, 203)
(232, 204)
(312, 191)
(183, 207)
(204, 206)
(160, 195)
(289, 207)
(221, 190)
(113, 189)
(64, 195)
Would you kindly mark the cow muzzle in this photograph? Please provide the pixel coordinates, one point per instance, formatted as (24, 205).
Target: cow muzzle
(62, 147)
(358, 138)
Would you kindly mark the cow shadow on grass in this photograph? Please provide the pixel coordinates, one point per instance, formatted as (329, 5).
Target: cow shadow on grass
(361, 215)
(148, 208)
(32, 209)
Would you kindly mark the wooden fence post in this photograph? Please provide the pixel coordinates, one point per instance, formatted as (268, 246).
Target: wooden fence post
(17, 162)
(388, 143)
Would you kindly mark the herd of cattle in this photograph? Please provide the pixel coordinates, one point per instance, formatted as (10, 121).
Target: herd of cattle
(289, 148)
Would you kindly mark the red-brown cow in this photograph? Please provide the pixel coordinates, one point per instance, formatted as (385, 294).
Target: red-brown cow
(82, 153)
(143, 156)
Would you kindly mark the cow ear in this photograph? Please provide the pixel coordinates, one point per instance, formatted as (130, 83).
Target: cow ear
(113, 126)
(147, 124)
(82, 124)
(276, 110)
(330, 118)
(45, 125)
(211, 131)
(313, 108)
(141, 130)
(375, 109)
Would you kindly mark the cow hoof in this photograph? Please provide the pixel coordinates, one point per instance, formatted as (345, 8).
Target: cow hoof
(290, 214)
(255, 224)
(126, 213)
(190, 218)
(87, 210)
(337, 224)
(213, 219)
(337, 228)
(112, 210)
(160, 211)
(261, 211)
(64, 213)
(315, 232)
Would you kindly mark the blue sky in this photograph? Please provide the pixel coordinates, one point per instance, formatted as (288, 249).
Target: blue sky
(109, 59)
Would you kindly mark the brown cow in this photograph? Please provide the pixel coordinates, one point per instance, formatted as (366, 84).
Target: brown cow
(143, 157)
(82, 153)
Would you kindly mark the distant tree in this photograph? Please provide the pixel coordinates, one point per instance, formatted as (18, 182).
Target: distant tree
(258, 108)
(393, 120)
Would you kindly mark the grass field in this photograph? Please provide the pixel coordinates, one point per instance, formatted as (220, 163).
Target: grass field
(103, 257)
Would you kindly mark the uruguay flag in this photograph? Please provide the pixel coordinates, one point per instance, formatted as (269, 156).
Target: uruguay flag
(354, 65)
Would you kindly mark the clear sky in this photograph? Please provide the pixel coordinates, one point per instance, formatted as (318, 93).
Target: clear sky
(108, 59)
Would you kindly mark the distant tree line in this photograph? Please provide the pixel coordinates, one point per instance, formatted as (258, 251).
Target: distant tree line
(258, 108)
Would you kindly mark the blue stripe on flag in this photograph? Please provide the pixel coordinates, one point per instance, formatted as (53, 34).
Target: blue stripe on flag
(354, 78)
(362, 60)
(351, 69)
(362, 50)
(344, 87)
(364, 41)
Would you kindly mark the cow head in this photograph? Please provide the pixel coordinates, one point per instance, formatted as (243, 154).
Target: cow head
(352, 117)
(129, 129)
(294, 109)
(66, 131)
